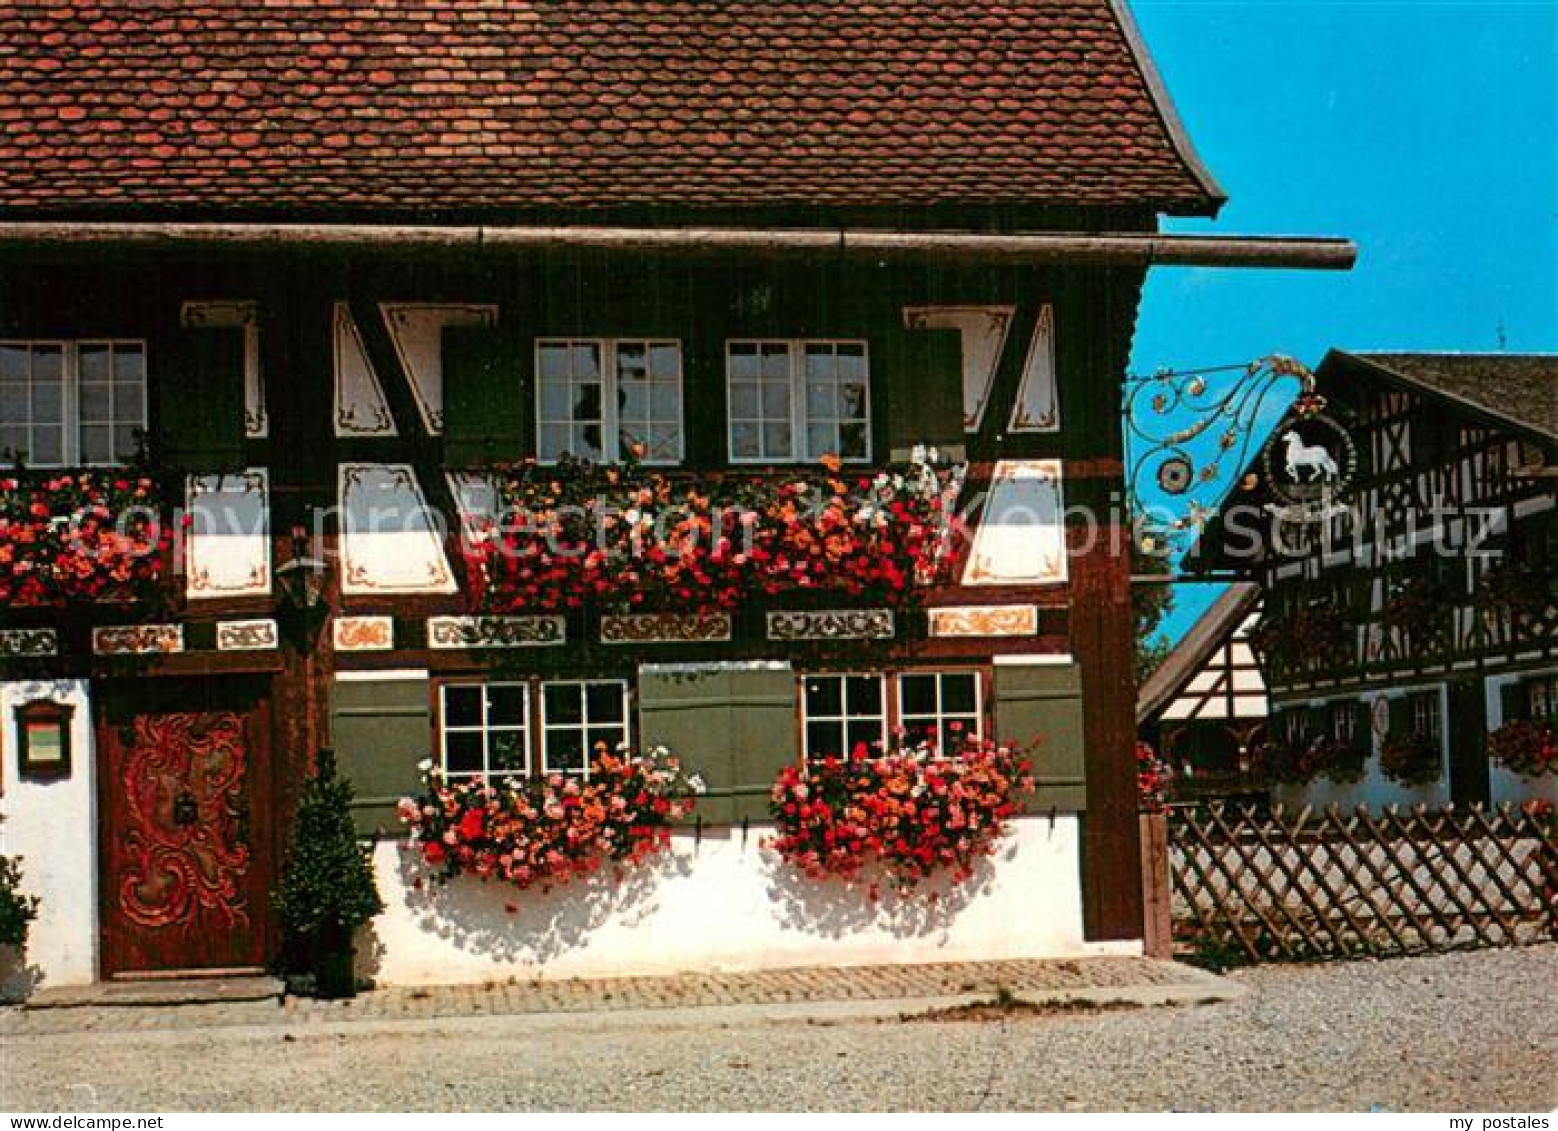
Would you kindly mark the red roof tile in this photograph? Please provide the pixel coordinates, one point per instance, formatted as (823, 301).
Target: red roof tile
(290, 107)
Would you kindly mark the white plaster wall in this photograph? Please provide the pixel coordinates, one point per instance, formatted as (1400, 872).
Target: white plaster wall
(1506, 785)
(53, 827)
(725, 905)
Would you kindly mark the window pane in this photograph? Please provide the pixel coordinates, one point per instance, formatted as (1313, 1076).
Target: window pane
(97, 443)
(96, 401)
(919, 694)
(129, 363)
(852, 362)
(95, 363)
(463, 752)
(823, 739)
(506, 752)
(865, 695)
(604, 702)
(15, 402)
(665, 401)
(819, 362)
(852, 441)
(776, 362)
(586, 402)
(552, 362)
(608, 738)
(563, 703)
(48, 402)
(15, 363)
(632, 360)
(584, 359)
(505, 705)
(125, 444)
(665, 360)
(552, 441)
(742, 363)
(824, 696)
(462, 706)
(48, 364)
(13, 441)
(867, 733)
(565, 750)
(556, 399)
(958, 695)
(776, 441)
(743, 400)
(820, 441)
(776, 400)
(47, 446)
(665, 442)
(130, 403)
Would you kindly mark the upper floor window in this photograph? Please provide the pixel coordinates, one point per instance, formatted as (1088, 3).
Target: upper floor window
(65, 404)
(797, 401)
(485, 729)
(608, 399)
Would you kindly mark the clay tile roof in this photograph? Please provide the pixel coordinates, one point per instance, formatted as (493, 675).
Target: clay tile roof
(417, 107)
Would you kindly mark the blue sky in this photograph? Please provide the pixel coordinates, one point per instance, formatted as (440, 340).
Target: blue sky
(1427, 131)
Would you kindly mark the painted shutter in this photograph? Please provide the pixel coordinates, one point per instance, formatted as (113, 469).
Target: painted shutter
(200, 400)
(381, 730)
(1043, 703)
(486, 397)
(920, 372)
(735, 726)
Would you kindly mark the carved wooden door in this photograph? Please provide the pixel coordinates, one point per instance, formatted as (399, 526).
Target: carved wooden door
(185, 791)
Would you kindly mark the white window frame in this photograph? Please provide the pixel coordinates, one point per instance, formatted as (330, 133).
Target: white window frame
(1427, 709)
(484, 728)
(845, 718)
(796, 351)
(610, 422)
(70, 395)
(585, 726)
(941, 716)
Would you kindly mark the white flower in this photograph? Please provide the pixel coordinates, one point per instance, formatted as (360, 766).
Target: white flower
(917, 454)
(932, 456)
(425, 765)
(696, 784)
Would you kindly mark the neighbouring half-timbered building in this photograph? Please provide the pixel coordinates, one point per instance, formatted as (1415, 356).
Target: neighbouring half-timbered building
(1413, 613)
(331, 281)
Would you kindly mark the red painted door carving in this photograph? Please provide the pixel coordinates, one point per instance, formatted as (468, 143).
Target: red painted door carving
(184, 783)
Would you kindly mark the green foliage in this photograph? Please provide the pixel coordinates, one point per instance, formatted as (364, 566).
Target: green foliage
(327, 887)
(1152, 601)
(17, 911)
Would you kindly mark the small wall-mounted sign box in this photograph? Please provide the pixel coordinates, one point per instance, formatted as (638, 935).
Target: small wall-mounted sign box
(43, 740)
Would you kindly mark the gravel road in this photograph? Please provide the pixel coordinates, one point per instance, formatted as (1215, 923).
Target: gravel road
(1465, 1032)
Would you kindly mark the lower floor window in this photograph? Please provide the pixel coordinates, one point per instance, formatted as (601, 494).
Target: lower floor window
(851, 715)
(1425, 714)
(485, 729)
(1541, 698)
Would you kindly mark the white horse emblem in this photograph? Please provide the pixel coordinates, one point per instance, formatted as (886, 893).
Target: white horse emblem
(1312, 458)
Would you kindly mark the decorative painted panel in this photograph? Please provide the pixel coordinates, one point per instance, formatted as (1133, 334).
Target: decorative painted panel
(390, 539)
(256, 420)
(361, 408)
(363, 634)
(985, 620)
(665, 628)
(227, 551)
(495, 632)
(246, 635)
(138, 639)
(984, 330)
(1020, 538)
(832, 624)
(1037, 408)
(417, 330)
(476, 496)
(29, 642)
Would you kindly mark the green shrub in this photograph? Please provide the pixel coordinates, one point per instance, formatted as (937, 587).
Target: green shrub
(327, 887)
(17, 911)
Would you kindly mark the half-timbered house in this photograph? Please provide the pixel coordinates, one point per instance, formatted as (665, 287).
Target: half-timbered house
(328, 276)
(1411, 611)
(1203, 709)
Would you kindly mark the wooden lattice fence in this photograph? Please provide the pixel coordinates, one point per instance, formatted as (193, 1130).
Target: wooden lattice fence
(1260, 886)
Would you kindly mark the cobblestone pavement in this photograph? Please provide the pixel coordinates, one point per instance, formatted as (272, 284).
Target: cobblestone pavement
(1032, 978)
(1472, 1031)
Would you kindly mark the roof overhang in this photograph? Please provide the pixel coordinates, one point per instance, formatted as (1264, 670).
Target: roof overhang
(1104, 249)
